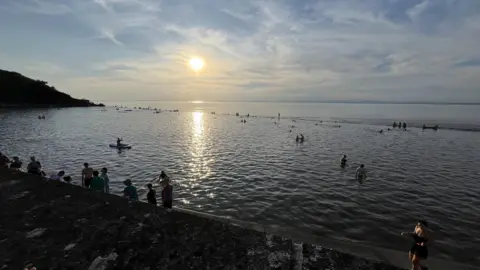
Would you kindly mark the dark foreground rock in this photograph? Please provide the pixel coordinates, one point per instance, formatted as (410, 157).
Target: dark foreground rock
(52, 225)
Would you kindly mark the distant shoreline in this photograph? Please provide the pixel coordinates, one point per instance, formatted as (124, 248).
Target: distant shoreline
(306, 101)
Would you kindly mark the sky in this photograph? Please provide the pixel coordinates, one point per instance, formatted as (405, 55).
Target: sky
(283, 50)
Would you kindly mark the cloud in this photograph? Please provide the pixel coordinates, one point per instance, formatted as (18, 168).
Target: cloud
(254, 50)
(468, 63)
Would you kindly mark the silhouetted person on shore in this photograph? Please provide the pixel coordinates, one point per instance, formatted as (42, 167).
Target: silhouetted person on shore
(394, 124)
(404, 125)
(4, 160)
(130, 191)
(97, 182)
(87, 175)
(16, 164)
(151, 195)
(167, 195)
(34, 167)
(106, 180)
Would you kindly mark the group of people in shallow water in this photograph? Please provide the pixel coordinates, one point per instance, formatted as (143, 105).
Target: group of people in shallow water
(300, 139)
(95, 180)
(360, 173)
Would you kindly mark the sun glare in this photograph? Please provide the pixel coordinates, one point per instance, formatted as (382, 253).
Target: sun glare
(196, 64)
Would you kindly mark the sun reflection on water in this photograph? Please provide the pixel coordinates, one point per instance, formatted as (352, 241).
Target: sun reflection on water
(199, 162)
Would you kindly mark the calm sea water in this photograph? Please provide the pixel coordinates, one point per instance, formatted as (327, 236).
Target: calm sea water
(256, 172)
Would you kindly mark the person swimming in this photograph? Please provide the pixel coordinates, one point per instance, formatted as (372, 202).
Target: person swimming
(361, 173)
(343, 161)
(419, 250)
(302, 139)
(297, 139)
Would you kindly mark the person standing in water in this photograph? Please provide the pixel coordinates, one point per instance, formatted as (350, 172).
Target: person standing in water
(151, 195)
(106, 180)
(404, 126)
(167, 195)
(419, 250)
(87, 175)
(343, 161)
(361, 173)
(302, 139)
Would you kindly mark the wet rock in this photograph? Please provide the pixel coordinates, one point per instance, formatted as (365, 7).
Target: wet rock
(101, 263)
(35, 233)
(69, 247)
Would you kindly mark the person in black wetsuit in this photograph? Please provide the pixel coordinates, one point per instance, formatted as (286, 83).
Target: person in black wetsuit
(419, 250)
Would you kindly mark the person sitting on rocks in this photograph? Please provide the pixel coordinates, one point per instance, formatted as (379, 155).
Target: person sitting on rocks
(34, 167)
(58, 176)
(4, 160)
(130, 191)
(67, 179)
(16, 164)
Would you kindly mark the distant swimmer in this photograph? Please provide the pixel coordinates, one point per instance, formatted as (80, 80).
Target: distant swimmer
(381, 131)
(302, 139)
(297, 139)
(361, 173)
(343, 161)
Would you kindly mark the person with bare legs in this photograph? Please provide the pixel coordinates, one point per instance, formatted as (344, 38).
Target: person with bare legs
(419, 250)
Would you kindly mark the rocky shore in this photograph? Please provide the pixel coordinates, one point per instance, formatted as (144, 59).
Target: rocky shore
(53, 225)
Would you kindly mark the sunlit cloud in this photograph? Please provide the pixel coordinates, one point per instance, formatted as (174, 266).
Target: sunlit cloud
(255, 50)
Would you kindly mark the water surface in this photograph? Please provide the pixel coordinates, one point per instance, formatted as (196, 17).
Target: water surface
(256, 172)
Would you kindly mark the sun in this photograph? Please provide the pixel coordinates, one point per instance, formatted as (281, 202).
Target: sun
(196, 63)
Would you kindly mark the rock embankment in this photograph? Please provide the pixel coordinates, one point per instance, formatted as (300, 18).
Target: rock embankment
(52, 225)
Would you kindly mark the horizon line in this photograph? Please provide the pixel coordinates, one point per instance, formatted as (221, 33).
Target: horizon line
(307, 101)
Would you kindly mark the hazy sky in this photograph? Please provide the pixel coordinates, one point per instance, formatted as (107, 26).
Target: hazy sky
(391, 50)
